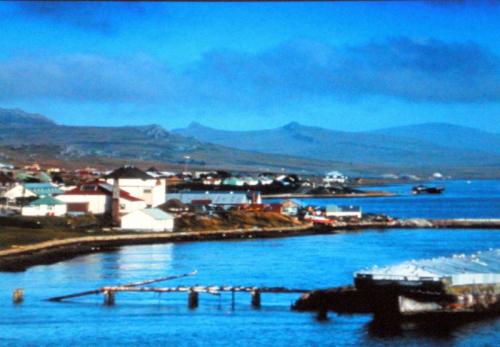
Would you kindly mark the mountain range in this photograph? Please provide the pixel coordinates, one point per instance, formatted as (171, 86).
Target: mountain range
(418, 146)
(35, 136)
(420, 149)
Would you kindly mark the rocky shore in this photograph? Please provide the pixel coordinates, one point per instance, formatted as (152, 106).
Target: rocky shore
(22, 257)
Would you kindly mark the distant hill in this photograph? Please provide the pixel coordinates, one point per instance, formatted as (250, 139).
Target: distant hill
(448, 135)
(294, 147)
(17, 117)
(402, 148)
(31, 133)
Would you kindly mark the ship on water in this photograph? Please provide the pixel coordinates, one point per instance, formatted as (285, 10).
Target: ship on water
(458, 286)
(422, 189)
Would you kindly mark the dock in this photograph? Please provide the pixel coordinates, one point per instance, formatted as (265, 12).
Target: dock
(456, 286)
(109, 292)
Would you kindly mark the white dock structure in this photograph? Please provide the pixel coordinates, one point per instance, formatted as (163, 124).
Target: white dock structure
(481, 268)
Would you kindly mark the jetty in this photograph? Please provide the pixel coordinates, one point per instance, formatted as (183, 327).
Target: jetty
(109, 292)
(457, 286)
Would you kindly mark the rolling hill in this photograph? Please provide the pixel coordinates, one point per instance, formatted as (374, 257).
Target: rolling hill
(399, 147)
(34, 135)
(419, 149)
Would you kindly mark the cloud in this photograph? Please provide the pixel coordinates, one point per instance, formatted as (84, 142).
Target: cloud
(429, 70)
(300, 71)
(103, 17)
(85, 78)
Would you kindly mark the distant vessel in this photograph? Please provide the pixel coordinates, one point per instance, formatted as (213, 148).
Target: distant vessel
(421, 189)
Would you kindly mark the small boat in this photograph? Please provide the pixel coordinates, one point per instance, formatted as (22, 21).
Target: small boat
(421, 189)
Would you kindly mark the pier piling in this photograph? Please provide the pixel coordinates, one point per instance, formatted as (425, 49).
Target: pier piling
(18, 296)
(256, 298)
(193, 299)
(109, 298)
(232, 299)
(322, 314)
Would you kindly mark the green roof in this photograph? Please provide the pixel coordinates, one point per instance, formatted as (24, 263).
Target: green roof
(46, 200)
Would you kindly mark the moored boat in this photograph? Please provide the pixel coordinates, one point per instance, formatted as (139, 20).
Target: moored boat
(421, 189)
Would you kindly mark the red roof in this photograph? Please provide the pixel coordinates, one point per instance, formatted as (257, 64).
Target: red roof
(99, 188)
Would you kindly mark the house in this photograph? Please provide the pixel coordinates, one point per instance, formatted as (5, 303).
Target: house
(290, 207)
(148, 219)
(96, 198)
(139, 184)
(6, 181)
(343, 211)
(31, 190)
(46, 206)
(174, 206)
(334, 177)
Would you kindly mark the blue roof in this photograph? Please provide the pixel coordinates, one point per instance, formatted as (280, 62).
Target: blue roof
(43, 188)
(217, 198)
(46, 200)
(157, 214)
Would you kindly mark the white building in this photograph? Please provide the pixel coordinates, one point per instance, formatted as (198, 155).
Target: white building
(96, 198)
(149, 219)
(343, 211)
(140, 184)
(46, 206)
(31, 190)
(334, 177)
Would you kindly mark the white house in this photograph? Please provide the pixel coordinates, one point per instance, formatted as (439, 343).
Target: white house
(96, 198)
(343, 211)
(334, 177)
(46, 206)
(140, 184)
(31, 190)
(148, 219)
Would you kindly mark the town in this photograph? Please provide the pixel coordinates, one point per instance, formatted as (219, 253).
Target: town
(130, 199)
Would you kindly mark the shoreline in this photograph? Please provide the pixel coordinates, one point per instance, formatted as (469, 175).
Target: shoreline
(374, 194)
(17, 259)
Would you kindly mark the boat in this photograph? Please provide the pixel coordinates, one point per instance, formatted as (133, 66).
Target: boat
(422, 189)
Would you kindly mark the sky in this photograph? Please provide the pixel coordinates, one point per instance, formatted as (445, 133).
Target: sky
(350, 66)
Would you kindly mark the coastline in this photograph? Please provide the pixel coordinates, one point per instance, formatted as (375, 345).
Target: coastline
(373, 194)
(20, 258)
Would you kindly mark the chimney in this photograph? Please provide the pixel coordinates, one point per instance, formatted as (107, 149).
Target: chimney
(115, 203)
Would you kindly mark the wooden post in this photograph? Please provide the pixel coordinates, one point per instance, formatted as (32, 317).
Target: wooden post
(256, 298)
(109, 298)
(193, 299)
(322, 314)
(18, 296)
(232, 299)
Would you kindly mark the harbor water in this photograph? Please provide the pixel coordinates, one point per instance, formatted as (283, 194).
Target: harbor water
(301, 262)
(461, 199)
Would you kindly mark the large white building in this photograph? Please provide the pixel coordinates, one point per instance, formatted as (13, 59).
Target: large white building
(149, 219)
(96, 198)
(140, 184)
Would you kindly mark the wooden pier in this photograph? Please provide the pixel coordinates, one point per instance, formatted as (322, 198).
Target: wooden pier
(109, 292)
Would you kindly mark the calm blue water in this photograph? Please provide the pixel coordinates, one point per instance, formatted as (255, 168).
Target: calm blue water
(150, 319)
(477, 199)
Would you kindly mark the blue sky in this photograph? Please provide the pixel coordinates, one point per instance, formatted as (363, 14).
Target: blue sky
(340, 65)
